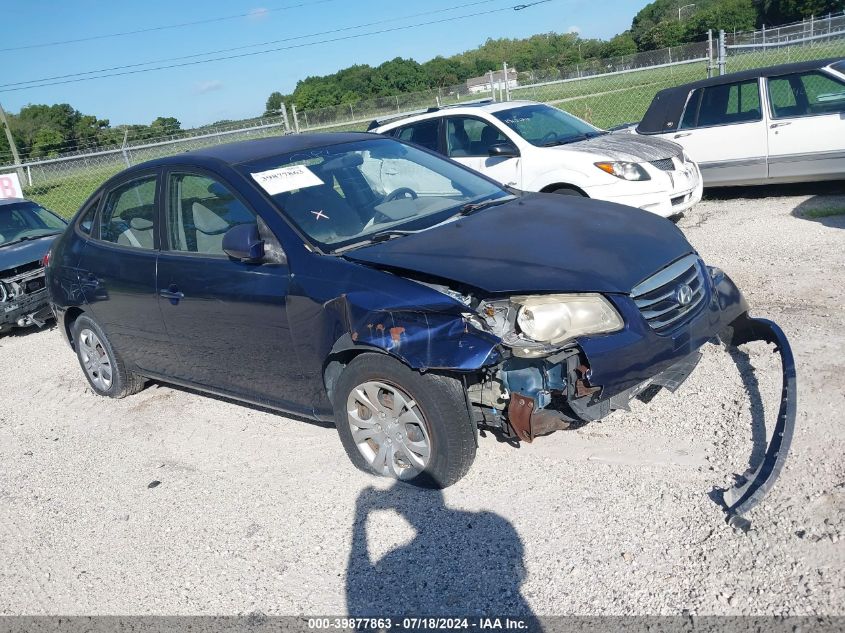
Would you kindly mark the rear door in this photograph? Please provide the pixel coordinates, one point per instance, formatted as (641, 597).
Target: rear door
(468, 141)
(227, 320)
(807, 127)
(724, 131)
(117, 271)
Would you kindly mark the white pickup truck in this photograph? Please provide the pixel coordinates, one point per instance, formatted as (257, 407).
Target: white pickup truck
(535, 147)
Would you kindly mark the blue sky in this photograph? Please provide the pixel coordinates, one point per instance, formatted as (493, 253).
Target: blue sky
(238, 88)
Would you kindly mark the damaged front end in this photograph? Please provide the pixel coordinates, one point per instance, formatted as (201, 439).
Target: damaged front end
(540, 387)
(23, 297)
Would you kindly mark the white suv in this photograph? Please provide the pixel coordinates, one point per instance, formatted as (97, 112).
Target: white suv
(535, 147)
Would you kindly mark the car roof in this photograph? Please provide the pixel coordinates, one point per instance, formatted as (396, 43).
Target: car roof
(450, 110)
(664, 113)
(255, 149)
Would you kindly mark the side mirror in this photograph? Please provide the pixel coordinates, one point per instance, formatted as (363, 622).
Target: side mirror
(242, 242)
(503, 149)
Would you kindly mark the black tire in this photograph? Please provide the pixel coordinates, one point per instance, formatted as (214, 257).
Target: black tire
(441, 402)
(123, 382)
(568, 191)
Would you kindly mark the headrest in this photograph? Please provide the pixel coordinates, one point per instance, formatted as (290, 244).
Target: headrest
(207, 220)
(141, 224)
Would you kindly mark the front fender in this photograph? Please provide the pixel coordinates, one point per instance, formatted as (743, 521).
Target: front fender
(422, 339)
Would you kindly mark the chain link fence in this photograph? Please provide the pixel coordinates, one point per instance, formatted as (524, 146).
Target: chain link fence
(606, 92)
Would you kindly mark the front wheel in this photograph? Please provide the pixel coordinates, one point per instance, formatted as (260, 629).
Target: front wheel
(399, 423)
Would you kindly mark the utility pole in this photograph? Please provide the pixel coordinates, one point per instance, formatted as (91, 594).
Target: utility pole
(15, 156)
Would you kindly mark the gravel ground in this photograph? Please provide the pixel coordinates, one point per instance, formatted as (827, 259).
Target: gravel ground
(259, 512)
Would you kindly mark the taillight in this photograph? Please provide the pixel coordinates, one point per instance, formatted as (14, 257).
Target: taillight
(45, 261)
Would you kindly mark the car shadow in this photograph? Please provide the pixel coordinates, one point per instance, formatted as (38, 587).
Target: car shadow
(459, 563)
(758, 420)
(18, 332)
(827, 188)
(826, 210)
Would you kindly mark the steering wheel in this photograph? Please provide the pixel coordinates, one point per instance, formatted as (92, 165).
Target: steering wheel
(401, 192)
(550, 136)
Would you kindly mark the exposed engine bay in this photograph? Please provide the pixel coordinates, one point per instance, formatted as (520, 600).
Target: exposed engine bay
(23, 297)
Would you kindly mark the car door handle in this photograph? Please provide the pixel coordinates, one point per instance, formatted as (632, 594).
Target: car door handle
(774, 125)
(173, 294)
(682, 134)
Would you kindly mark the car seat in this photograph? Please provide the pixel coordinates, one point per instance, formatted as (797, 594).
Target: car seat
(458, 139)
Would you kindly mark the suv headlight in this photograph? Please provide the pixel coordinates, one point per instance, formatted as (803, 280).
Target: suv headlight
(625, 171)
(554, 319)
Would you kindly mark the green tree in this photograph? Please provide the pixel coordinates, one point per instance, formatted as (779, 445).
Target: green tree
(274, 103)
(165, 126)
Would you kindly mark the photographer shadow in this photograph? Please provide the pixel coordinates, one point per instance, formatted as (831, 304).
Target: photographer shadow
(459, 563)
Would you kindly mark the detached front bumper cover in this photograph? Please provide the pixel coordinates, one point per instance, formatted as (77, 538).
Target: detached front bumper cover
(755, 484)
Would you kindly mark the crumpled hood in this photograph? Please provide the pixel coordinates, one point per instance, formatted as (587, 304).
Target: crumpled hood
(538, 243)
(24, 252)
(626, 147)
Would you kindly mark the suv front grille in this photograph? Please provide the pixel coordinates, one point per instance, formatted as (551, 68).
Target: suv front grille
(662, 302)
(664, 164)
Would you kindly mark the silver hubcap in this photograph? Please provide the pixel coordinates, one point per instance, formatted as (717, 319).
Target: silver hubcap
(389, 429)
(95, 360)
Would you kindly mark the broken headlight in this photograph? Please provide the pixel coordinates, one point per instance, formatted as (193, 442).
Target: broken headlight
(538, 325)
(558, 318)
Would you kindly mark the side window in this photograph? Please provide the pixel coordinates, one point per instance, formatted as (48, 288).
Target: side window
(423, 133)
(470, 137)
(690, 118)
(806, 94)
(727, 104)
(128, 217)
(86, 218)
(199, 212)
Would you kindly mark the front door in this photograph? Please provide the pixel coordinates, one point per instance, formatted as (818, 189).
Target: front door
(468, 141)
(807, 130)
(227, 320)
(724, 131)
(117, 272)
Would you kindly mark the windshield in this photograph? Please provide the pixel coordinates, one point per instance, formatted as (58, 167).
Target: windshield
(545, 126)
(26, 220)
(340, 195)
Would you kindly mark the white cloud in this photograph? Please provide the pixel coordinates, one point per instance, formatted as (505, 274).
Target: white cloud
(202, 87)
(574, 29)
(258, 14)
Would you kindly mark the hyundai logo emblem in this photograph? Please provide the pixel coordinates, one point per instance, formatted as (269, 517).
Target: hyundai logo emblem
(683, 295)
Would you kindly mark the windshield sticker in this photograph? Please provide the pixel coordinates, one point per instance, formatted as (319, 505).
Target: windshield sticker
(275, 181)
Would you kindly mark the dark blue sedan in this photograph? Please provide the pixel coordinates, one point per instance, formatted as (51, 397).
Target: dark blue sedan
(411, 301)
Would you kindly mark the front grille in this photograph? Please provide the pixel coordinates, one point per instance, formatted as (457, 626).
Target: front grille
(657, 296)
(664, 164)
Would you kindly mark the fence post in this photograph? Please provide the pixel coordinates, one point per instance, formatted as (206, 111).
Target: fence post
(492, 87)
(723, 52)
(29, 175)
(123, 148)
(764, 38)
(507, 82)
(709, 53)
(295, 118)
(351, 112)
(305, 114)
(397, 105)
(285, 118)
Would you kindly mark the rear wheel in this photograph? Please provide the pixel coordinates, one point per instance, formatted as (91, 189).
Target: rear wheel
(398, 423)
(104, 369)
